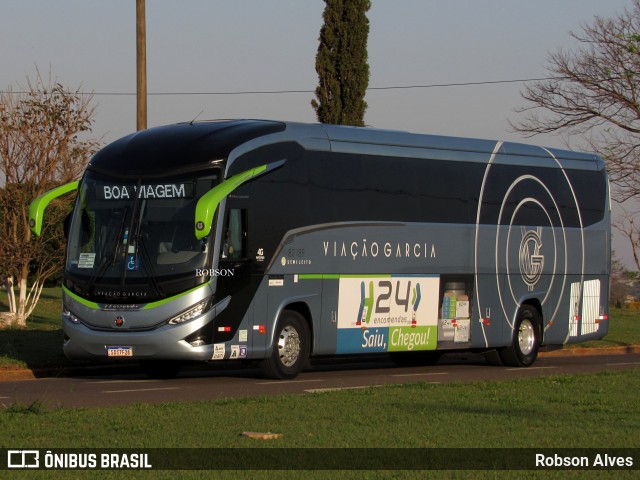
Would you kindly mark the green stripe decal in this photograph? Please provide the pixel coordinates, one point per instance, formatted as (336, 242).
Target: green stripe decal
(171, 299)
(96, 306)
(37, 207)
(81, 300)
(365, 275)
(337, 276)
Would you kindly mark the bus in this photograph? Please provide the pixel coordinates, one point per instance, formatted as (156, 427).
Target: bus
(276, 242)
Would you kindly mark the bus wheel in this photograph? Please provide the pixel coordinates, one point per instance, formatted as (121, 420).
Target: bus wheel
(523, 350)
(290, 347)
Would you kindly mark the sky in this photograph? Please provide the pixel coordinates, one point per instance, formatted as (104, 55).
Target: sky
(201, 51)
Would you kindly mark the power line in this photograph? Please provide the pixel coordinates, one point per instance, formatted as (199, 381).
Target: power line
(280, 92)
(461, 84)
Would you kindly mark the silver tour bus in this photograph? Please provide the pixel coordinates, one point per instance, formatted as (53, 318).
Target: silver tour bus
(277, 242)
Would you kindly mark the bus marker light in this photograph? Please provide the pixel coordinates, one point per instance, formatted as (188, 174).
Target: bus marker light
(224, 329)
(262, 329)
(198, 342)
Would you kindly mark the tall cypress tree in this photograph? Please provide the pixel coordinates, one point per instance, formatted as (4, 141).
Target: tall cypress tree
(341, 63)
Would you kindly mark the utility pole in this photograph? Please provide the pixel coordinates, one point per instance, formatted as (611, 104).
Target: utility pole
(141, 50)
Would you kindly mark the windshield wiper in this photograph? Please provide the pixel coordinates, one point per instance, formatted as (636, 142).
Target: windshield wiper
(136, 241)
(106, 262)
(146, 260)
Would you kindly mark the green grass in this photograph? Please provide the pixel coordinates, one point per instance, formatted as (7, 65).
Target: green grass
(40, 343)
(46, 315)
(573, 411)
(580, 411)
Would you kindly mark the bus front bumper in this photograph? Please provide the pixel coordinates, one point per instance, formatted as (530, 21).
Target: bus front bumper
(164, 343)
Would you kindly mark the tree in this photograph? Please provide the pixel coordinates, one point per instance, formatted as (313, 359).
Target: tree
(594, 93)
(40, 148)
(341, 63)
(623, 283)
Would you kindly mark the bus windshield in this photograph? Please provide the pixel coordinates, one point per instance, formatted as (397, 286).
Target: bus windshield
(133, 241)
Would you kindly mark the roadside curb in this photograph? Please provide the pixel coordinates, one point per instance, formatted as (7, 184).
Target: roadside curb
(12, 374)
(581, 352)
(9, 374)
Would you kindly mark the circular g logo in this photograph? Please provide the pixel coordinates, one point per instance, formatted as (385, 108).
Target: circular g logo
(531, 262)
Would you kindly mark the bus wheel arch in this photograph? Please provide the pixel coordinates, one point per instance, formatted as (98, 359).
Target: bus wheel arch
(291, 346)
(303, 309)
(305, 312)
(526, 338)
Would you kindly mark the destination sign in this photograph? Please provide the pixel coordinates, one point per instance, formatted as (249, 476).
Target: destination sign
(156, 191)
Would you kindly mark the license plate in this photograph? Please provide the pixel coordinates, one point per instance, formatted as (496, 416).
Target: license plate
(119, 351)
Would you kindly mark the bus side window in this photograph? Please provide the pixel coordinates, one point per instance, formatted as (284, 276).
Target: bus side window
(234, 240)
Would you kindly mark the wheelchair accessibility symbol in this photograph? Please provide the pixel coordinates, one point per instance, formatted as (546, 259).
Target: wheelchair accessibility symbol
(133, 263)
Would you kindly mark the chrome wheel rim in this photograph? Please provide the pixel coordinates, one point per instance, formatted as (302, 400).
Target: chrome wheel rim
(289, 346)
(526, 337)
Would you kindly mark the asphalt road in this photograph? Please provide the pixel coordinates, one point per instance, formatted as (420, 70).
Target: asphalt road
(123, 386)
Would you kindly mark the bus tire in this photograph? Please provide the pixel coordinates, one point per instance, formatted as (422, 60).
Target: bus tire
(523, 350)
(291, 347)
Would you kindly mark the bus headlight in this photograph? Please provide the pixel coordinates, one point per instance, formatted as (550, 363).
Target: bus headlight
(192, 312)
(69, 315)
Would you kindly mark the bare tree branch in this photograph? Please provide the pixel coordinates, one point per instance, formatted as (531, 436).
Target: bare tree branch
(593, 92)
(42, 145)
(594, 87)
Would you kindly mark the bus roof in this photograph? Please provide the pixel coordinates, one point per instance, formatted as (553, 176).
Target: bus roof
(186, 147)
(345, 138)
(179, 148)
